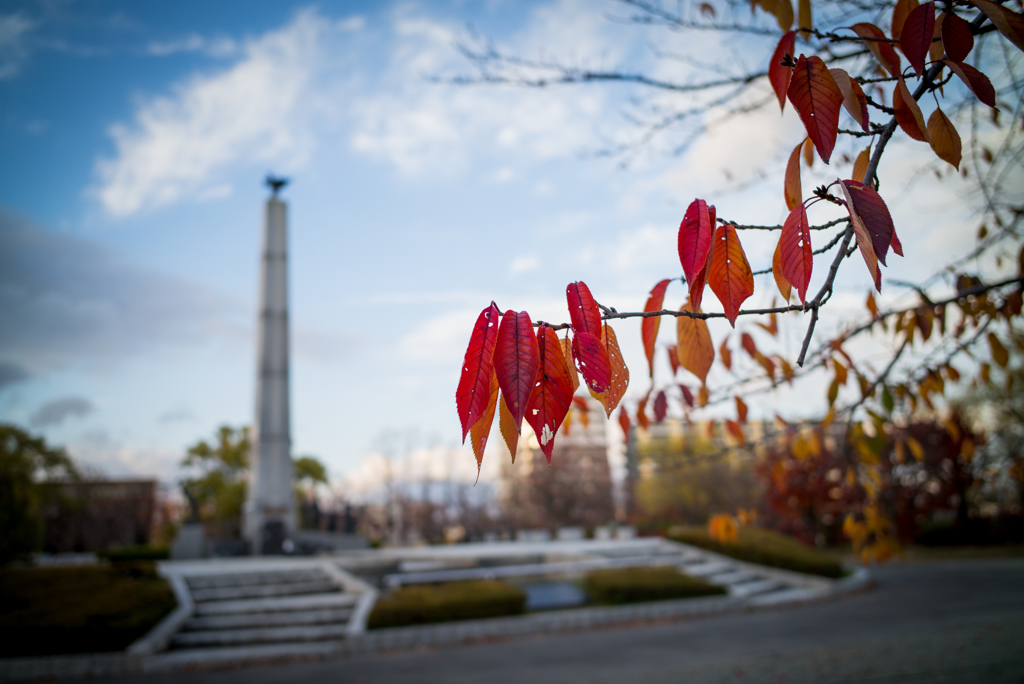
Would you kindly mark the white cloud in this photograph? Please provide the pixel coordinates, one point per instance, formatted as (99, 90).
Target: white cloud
(14, 28)
(523, 264)
(221, 46)
(256, 112)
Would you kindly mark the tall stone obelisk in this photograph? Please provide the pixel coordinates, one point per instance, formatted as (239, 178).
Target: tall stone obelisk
(270, 508)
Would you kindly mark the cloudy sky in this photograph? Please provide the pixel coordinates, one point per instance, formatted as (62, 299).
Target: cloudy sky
(135, 138)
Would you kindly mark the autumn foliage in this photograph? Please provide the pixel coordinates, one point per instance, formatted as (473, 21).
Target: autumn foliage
(533, 370)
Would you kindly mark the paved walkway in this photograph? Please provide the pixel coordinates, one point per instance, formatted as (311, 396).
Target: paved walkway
(940, 622)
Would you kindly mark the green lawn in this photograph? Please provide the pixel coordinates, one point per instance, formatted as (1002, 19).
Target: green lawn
(764, 547)
(428, 603)
(48, 611)
(635, 585)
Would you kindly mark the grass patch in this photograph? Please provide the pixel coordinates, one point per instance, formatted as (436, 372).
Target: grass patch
(428, 603)
(91, 609)
(763, 547)
(636, 585)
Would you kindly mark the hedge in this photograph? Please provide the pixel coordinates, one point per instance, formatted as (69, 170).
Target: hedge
(763, 547)
(427, 603)
(635, 585)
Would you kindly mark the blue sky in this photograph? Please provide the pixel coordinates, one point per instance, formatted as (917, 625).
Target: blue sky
(135, 138)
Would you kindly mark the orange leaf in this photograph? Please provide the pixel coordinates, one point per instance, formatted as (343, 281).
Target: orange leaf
(473, 392)
(619, 373)
(792, 189)
(729, 272)
(735, 430)
(780, 280)
(1006, 21)
(804, 17)
(552, 394)
(945, 139)
(957, 39)
(660, 407)
(899, 16)
(779, 75)
(808, 153)
(509, 429)
(703, 396)
(747, 342)
(872, 306)
(772, 327)
(696, 352)
(796, 255)
(673, 358)
(975, 80)
(696, 238)
(567, 353)
(854, 100)
(517, 362)
(482, 428)
(916, 36)
(908, 114)
(625, 423)
(860, 164)
(641, 411)
(817, 99)
(741, 410)
(935, 50)
(999, 353)
(723, 351)
(649, 326)
(881, 49)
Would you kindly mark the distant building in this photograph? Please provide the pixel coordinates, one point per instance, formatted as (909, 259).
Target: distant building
(575, 490)
(98, 515)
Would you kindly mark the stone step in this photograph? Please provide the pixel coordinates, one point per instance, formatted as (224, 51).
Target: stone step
(266, 635)
(731, 577)
(283, 604)
(278, 619)
(321, 586)
(759, 586)
(239, 579)
(199, 657)
(706, 569)
(786, 595)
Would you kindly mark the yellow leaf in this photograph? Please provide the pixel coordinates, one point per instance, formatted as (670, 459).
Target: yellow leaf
(945, 141)
(567, 353)
(952, 429)
(915, 448)
(967, 450)
(703, 396)
(723, 528)
(509, 429)
(804, 17)
(784, 14)
(841, 374)
(999, 353)
(901, 452)
(860, 164)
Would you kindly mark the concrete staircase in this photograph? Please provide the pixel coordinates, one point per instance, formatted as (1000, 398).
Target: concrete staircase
(269, 609)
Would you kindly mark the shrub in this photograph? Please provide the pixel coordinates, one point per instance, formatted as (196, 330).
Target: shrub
(424, 604)
(763, 547)
(88, 609)
(635, 585)
(136, 553)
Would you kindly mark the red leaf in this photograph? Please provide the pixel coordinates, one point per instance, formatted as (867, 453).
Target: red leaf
(874, 214)
(896, 246)
(552, 392)
(725, 354)
(899, 15)
(795, 254)
(641, 411)
(791, 188)
(481, 429)
(747, 342)
(729, 272)
(957, 39)
(916, 37)
(618, 379)
(863, 240)
(583, 310)
(592, 361)
(975, 80)
(687, 395)
(660, 407)
(625, 423)
(908, 114)
(475, 382)
(516, 362)
(817, 99)
(779, 75)
(696, 351)
(673, 358)
(854, 100)
(735, 430)
(649, 326)
(696, 233)
(881, 49)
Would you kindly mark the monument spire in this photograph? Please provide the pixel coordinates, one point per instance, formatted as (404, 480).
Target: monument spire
(270, 506)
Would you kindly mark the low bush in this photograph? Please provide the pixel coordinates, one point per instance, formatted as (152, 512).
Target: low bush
(424, 604)
(763, 547)
(136, 553)
(48, 611)
(635, 585)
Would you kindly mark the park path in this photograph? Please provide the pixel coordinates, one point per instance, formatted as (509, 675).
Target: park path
(957, 621)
